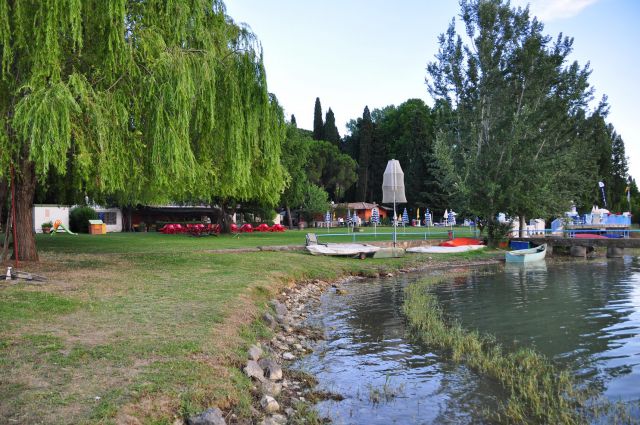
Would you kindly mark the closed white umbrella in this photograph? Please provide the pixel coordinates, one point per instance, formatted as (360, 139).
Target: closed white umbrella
(393, 183)
(393, 188)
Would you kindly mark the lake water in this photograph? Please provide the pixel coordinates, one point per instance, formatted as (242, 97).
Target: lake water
(585, 315)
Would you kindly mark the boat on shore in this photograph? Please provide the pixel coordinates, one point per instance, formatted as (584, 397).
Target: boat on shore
(527, 255)
(444, 249)
(343, 249)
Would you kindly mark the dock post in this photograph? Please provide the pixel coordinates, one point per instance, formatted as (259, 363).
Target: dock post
(615, 252)
(578, 251)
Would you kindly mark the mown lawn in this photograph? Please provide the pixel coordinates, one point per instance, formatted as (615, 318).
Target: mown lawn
(155, 242)
(144, 327)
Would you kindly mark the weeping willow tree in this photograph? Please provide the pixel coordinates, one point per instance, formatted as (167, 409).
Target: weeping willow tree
(148, 101)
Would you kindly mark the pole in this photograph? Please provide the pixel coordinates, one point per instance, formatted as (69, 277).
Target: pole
(395, 222)
(629, 192)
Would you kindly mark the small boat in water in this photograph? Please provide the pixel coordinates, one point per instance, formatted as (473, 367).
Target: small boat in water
(527, 255)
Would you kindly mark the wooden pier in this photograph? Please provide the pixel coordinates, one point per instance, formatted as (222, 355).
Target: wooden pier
(579, 247)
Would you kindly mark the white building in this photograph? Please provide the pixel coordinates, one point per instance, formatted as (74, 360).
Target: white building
(43, 213)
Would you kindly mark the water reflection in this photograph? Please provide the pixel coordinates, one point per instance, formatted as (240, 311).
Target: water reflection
(585, 315)
(382, 375)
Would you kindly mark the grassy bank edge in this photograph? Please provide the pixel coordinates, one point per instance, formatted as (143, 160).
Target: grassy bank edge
(538, 391)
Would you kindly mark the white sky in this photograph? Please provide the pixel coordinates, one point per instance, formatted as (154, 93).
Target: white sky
(353, 53)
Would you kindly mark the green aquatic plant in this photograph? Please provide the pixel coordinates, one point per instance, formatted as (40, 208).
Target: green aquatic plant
(537, 390)
(386, 392)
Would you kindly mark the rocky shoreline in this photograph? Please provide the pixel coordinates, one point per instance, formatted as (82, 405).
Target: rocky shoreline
(283, 395)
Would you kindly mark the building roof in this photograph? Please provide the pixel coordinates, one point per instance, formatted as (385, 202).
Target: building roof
(357, 205)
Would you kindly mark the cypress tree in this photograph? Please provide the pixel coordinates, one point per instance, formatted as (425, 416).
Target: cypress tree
(318, 130)
(330, 131)
(293, 121)
(364, 157)
(619, 171)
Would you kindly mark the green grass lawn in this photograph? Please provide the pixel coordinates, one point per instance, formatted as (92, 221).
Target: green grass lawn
(154, 242)
(146, 327)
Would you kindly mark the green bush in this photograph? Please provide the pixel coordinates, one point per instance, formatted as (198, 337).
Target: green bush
(79, 219)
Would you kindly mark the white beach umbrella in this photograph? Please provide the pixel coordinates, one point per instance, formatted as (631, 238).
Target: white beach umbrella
(393, 188)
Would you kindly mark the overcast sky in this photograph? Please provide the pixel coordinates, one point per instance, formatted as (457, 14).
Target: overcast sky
(352, 53)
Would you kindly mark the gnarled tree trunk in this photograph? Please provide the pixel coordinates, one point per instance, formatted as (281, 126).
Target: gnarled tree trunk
(224, 215)
(25, 189)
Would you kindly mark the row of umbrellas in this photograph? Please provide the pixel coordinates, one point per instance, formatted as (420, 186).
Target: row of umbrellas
(449, 217)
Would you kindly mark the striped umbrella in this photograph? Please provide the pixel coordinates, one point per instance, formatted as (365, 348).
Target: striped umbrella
(451, 219)
(427, 218)
(405, 217)
(375, 219)
(375, 216)
(355, 218)
(327, 218)
(348, 217)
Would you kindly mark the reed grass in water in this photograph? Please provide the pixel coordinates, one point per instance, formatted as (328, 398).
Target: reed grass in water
(538, 392)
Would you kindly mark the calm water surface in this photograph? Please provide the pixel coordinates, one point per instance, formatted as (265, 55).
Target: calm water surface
(585, 315)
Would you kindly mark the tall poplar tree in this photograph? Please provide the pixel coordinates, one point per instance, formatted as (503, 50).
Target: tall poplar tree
(318, 125)
(512, 143)
(149, 101)
(619, 172)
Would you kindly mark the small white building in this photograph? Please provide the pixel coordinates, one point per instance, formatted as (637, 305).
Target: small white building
(43, 213)
(112, 217)
(534, 228)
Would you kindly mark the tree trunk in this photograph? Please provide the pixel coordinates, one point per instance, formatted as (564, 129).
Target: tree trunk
(4, 187)
(521, 226)
(224, 218)
(25, 181)
(127, 218)
(289, 218)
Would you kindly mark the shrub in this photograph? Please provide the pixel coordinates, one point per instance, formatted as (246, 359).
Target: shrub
(498, 232)
(79, 219)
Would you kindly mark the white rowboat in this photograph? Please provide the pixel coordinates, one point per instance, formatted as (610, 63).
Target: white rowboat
(346, 249)
(527, 255)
